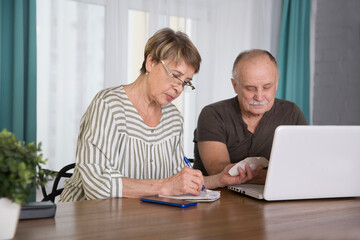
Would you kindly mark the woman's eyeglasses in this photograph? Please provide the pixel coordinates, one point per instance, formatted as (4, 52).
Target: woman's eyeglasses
(183, 82)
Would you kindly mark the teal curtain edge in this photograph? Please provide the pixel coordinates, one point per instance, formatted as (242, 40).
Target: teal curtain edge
(31, 86)
(31, 110)
(0, 50)
(280, 93)
(5, 62)
(18, 70)
(294, 55)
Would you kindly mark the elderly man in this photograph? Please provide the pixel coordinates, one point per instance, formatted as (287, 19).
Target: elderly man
(231, 130)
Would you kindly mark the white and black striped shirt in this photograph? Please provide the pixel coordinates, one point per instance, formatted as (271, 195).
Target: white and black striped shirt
(115, 142)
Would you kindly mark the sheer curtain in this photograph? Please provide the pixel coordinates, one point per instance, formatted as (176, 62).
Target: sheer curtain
(87, 45)
(231, 27)
(71, 61)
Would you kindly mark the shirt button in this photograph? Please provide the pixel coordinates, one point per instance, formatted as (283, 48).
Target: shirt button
(151, 160)
(152, 130)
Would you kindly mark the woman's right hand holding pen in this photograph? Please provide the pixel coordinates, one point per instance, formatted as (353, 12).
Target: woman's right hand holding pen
(187, 181)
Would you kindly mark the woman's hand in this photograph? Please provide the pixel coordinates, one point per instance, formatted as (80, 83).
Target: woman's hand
(187, 181)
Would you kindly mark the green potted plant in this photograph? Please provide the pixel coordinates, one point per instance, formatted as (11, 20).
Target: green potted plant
(20, 172)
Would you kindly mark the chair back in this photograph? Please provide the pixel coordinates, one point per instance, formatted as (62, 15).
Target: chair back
(63, 173)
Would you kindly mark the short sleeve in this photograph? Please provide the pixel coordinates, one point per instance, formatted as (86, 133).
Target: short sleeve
(210, 126)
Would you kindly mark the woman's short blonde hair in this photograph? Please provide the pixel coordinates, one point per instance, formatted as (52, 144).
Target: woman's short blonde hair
(175, 46)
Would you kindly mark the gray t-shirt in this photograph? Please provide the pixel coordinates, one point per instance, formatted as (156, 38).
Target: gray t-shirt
(222, 122)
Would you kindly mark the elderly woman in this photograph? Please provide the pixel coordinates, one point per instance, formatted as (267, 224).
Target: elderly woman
(130, 139)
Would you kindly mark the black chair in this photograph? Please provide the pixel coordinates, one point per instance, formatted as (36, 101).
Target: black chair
(63, 173)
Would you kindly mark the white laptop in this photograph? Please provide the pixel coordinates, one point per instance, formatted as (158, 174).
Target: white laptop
(310, 162)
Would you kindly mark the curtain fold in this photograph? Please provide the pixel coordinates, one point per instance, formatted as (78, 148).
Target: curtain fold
(18, 68)
(294, 54)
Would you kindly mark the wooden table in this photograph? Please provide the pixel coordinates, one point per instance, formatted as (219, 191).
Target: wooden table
(233, 215)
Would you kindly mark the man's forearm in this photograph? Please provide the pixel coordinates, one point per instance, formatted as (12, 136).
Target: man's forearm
(215, 167)
(214, 155)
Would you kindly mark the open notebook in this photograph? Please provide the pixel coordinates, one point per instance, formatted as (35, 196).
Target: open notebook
(205, 196)
(309, 162)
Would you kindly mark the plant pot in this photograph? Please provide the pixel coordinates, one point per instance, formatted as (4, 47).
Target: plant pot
(9, 218)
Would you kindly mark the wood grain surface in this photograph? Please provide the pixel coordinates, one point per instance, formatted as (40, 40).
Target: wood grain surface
(232, 216)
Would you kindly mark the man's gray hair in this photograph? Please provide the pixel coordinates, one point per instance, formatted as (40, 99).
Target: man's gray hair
(253, 53)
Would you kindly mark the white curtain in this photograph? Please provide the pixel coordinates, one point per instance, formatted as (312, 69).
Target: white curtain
(87, 45)
(232, 27)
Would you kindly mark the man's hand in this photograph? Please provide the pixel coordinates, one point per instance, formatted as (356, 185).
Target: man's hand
(226, 179)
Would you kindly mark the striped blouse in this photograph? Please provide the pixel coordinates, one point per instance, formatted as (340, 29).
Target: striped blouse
(115, 142)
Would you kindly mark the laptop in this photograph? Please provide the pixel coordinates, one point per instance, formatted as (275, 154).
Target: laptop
(310, 162)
